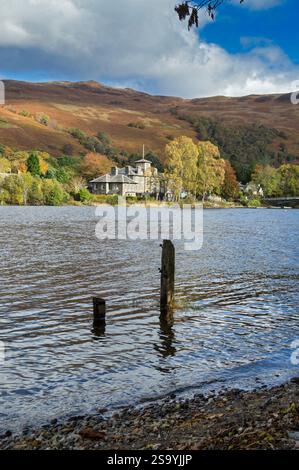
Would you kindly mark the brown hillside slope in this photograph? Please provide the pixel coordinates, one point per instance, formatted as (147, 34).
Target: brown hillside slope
(93, 107)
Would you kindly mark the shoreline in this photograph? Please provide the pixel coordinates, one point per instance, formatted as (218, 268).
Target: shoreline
(162, 204)
(265, 418)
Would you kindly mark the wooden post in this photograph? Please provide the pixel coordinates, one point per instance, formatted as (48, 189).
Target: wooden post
(167, 278)
(99, 309)
(99, 316)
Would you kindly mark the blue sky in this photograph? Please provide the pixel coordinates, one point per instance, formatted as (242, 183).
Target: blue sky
(250, 48)
(278, 24)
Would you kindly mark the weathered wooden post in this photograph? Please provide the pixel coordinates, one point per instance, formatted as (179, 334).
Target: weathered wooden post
(99, 315)
(99, 308)
(167, 278)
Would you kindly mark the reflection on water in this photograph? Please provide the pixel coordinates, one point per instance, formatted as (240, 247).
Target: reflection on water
(166, 346)
(235, 318)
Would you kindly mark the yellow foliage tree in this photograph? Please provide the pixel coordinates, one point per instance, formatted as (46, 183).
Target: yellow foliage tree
(5, 165)
(181, 166)
(210, 169)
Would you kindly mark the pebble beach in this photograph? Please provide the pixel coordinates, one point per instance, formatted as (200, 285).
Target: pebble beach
(231, 420)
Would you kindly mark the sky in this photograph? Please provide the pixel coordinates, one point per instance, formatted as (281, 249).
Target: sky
(250, 48)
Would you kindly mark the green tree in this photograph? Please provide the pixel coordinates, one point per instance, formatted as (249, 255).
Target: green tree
(289, 182)
(33, 164)
(269, 179)
(53, 193)
(64, 175)
(35, 196)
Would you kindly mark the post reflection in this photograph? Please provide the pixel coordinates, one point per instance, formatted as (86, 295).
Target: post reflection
(98, 328)
(167, 336)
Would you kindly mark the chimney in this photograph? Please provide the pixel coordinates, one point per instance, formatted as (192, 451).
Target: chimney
(114, 171)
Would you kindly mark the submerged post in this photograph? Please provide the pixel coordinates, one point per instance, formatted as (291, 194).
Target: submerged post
(99, 316)
(167, 278)
(99, 309)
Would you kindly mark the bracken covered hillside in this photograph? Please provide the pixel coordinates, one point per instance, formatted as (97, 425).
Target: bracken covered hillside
(252, 128)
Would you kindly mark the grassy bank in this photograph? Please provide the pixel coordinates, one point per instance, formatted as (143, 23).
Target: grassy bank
(261, 419)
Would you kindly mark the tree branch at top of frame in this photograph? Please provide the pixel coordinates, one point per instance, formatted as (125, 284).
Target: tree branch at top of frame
(190, 9)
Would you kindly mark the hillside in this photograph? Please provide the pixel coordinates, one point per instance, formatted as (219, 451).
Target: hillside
(131, 119)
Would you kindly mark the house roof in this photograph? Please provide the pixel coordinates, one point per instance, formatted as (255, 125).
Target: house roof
(143, 161)
(113, 179)
(128, 171)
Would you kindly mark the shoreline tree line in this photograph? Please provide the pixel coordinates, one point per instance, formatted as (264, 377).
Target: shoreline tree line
(197, 169)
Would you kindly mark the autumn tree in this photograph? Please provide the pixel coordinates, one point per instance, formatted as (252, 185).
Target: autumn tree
(12, 187)
(5, 165)
(181, 165)
(230, 188)
(25, 181)
(95, 164)
(210, 169)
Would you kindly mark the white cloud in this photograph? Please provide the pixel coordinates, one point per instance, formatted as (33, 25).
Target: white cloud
(134, 42)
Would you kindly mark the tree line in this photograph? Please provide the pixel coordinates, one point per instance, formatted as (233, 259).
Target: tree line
(244, 145)
(197, 168)
(200, 170)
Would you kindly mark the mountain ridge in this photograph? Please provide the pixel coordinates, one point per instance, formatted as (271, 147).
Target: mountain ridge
(132, 118)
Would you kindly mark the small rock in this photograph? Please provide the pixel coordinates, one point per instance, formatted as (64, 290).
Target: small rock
(104, 410)
(295, 380)
(294, 435)
(90, 433)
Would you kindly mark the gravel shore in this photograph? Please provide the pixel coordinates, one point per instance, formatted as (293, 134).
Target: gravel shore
(261, 419)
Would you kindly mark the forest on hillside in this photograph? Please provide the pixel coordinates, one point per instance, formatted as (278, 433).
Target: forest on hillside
(245, 146)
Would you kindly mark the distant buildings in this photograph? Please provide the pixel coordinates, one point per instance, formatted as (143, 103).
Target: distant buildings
(252, 189)
(141, 180)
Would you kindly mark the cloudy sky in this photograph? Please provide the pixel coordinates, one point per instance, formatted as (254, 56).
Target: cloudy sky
(250, 48)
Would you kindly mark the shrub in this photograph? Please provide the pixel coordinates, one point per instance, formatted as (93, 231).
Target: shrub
(42, 118)
(53, 193)
(77, 133)
(254, 203)
(25, 113)
(68, 149)
(136, 125)
(104, 138)
(83, 195)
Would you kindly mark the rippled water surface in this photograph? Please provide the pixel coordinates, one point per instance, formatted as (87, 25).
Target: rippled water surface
(236, 317)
